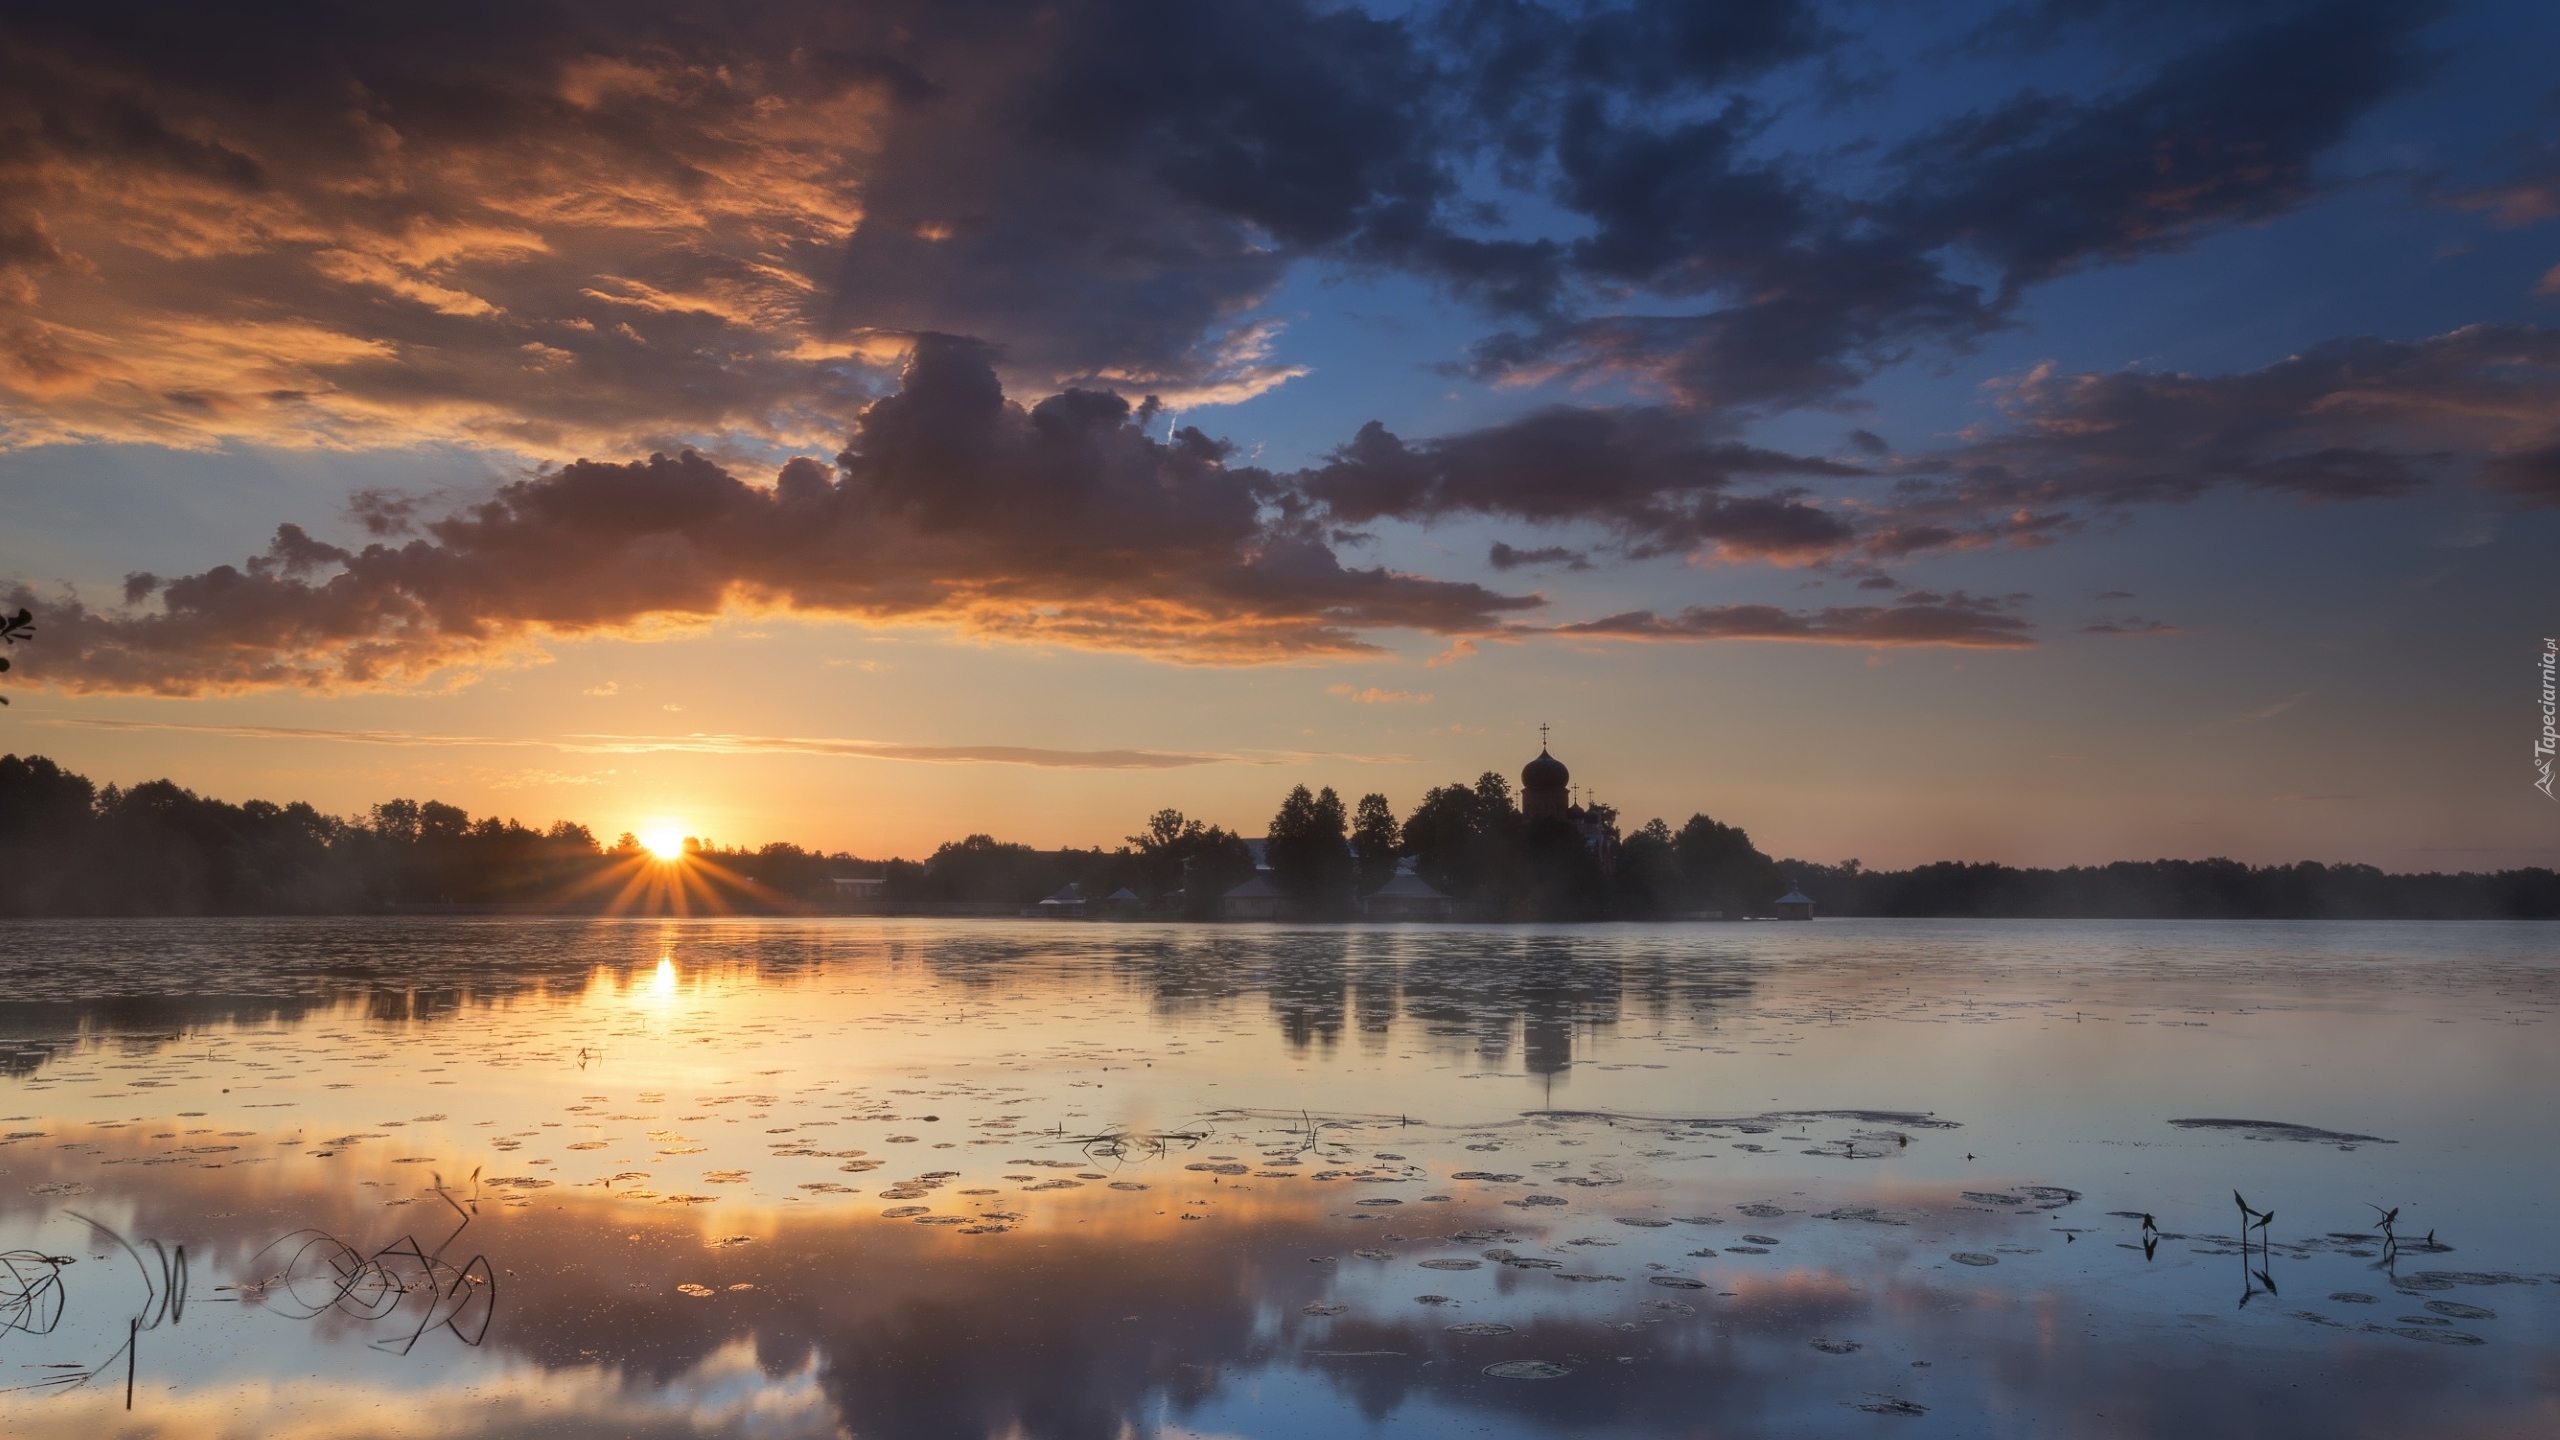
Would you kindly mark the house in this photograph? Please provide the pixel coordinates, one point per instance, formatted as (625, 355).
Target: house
(1123, 904)
(854, 890)
(1255, 899)
(1406, 896)
(1795, 905)
(1067, 904)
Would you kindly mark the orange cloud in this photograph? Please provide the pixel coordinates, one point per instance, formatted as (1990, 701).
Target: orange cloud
(1065, 523)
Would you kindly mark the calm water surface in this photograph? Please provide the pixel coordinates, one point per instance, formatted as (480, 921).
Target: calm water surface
(894, 1179)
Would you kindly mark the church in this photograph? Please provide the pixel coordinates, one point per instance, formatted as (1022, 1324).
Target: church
(1546, 793)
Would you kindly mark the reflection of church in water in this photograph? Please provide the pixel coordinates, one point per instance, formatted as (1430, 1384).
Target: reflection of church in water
(1547, 793)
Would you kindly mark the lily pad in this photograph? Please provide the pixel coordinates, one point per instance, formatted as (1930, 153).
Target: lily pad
(2460, 1311)
(1528, 1370)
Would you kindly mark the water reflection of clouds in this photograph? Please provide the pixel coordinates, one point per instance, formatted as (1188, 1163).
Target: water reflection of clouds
(893, 1333)
(728, 1391)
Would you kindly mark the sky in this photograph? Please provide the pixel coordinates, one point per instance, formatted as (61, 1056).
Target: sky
(2048, 432)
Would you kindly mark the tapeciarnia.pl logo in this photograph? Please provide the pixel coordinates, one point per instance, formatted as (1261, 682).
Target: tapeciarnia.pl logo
(2550, 738)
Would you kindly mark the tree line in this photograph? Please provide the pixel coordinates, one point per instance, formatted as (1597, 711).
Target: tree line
(70, 847)
(2180, 890)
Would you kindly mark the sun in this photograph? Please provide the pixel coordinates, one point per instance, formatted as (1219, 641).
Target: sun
(666, 842)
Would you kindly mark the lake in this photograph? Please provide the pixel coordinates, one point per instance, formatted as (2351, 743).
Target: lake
(892, 1178)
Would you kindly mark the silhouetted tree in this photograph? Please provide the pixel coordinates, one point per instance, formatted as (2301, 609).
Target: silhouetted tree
(14, 628)
(1645, 884)
(1188, 864)
(1309, 853)
(981, 869)
(1220, 863)
(1465, 841)
(1375, 840)
(1721, 870)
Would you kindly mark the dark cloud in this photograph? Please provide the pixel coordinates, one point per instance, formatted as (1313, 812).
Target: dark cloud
(599, 227)
(1654, 477)
(1504, 557)
(2345, 420)
(2225, 133)
(1516, 58)
(1819, 288)
(585, 225)
(1063, 522)
(1920, 619)
(2531, 475)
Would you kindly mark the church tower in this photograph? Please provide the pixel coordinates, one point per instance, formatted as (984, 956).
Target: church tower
(1543, 785)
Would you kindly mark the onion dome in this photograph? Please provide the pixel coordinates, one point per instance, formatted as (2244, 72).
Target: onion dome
(1544, 773)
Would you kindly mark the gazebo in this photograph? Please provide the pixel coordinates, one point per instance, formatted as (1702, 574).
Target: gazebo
(1406, 896)
(1795, 905)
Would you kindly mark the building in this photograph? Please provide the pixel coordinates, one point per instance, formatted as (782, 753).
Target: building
(1067, 904)
(1123, 904)
(1255, 899)
(855, 890)
(1795, 905)
(1545, 785)
(1406, 896)
(1546, 793)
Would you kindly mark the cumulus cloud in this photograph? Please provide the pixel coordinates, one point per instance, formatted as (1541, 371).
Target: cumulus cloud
(1065, 522)
(1919, 619)
(1068, 522)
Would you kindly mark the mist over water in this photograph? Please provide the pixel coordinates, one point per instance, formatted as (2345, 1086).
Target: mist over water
(914, 1178)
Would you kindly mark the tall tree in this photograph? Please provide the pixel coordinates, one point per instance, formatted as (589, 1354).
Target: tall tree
(1309, 853)
(1375, 839)
(1465, 841)
(1645, 885)
(1179, 856)
(1721, 870)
